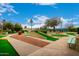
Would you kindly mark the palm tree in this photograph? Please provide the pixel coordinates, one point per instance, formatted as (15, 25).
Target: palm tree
(31, 22)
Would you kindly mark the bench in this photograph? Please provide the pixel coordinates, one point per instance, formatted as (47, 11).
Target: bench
(72, 41)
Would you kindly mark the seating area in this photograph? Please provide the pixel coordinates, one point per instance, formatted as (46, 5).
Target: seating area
(73, 42)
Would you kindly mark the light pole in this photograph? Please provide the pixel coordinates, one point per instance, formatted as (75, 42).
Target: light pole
(31, 22)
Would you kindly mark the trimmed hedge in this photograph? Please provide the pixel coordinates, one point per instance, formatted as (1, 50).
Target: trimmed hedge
(46, 36)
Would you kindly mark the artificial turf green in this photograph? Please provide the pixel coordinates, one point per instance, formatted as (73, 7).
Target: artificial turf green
(71, 34)
(6, 49)
(46, 36)
(60, 35)
(1, 36)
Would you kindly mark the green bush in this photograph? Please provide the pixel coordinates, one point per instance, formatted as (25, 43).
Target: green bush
(17, 27)
(13, 31)
(44, 31)
(9, 31)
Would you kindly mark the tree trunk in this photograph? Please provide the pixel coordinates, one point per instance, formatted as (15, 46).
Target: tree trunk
(54, 28)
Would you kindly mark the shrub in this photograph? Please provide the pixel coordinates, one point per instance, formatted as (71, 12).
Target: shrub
(44, 31)
(9, 31)
(17, 27)
(19, 33)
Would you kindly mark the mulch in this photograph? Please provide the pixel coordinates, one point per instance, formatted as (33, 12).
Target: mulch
(30, 40)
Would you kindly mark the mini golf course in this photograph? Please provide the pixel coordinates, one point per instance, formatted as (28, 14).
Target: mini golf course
(46, 36)
(60, 35)
(6, 48)
(30, 40)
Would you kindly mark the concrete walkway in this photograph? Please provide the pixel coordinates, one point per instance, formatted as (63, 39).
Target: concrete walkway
(56, 48)
(21, 47)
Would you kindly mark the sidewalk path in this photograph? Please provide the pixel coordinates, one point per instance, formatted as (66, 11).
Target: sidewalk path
(56, 48)
(21, 47)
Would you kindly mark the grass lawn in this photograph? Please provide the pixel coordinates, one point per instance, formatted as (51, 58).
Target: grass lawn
(1, 36)
(60, 35)
(6, 48)
(46, 36)
(70, 33)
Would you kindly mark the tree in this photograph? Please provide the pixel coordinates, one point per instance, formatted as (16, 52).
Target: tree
(53, 22)
(8, 26)
(25, 27)
(17, 27)
(78, 30)
(70, 26)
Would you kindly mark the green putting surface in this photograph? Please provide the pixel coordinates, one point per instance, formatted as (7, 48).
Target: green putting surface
(46, 36)
(6, 49)
(59, 35)
(1, 36)
(71, 34)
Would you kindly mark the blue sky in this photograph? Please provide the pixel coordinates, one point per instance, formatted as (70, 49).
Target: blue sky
(22, 12)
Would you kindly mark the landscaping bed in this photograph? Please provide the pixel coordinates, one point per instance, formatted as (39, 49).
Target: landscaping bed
(6, 48)
(46, 36)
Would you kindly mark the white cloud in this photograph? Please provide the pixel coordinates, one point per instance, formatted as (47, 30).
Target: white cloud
(6, 7)
(65, 22)
(2, 10)
(68, 21)
(38, 26)
(0, 14)
(46, 3)
(76, 23)
(38, 21)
